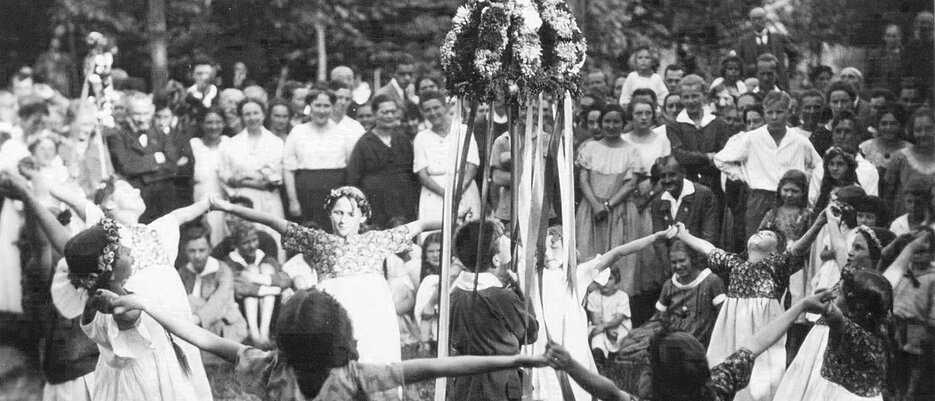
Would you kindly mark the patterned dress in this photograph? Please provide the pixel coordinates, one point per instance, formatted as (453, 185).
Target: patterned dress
(752, 302)
(351, 270)
(266, 375)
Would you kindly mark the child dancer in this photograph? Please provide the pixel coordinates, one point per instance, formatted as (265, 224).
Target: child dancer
(138, 359)
(756, 284)
(316, 357)
(845, 355)
(678, 366)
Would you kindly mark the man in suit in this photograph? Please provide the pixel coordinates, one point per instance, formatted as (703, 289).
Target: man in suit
(761, 40)
(401, 90)
(683, 201)
(145, 157)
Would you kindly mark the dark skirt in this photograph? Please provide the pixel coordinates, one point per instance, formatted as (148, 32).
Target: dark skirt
(312, 187)
(391, 195)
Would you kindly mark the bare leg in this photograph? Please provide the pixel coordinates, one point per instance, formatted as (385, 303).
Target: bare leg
(251, 306)
(266, 316)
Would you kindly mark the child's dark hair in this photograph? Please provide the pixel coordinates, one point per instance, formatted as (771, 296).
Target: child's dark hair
(679, 369)
(677, 245)
(427, 269)
(797, 178)
(105, 189)
(467, 239)
(868, 298)
(315, 336)
(828, 183)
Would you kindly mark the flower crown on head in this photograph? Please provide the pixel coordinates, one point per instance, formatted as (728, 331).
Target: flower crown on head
(105, 262)
(350, 193)
(873, 236)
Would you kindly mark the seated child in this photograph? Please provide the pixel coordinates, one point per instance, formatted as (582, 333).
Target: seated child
(609, 313)
(690, 301)
(258, 280)
(210, 287)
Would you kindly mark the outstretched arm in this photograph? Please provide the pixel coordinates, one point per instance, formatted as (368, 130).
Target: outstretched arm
(699, 245)
(191, 212)
(613, 255)
(800, 247)
(595, 384)
(16, 187)
(415, 370)
(276, 223)
(767, 336)
(183, 328)
(836, 236)
(72, 199)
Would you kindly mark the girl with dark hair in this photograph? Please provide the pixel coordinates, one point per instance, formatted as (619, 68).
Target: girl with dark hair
(138, 360)
(793, 216)
(280, 117)
(350, 263)
(316, 356)
(755, 286)
(846, 354)
(679, 368)
(916, 161)
(889, 124)
(731, 76)
(840, 170)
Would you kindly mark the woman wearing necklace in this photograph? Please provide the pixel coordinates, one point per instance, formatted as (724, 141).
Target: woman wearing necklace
(381, 166)
(206, 149)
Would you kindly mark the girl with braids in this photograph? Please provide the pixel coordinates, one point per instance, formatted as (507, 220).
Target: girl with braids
(350, 264)
(317, 357)
(138, 359)
(846, 354)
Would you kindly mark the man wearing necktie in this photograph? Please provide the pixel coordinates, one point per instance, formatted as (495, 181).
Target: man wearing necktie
(761, 40)
(143, 156)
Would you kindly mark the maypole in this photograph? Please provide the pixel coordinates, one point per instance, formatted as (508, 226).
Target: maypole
(516, 52)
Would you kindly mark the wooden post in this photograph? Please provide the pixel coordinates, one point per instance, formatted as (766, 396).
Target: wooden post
(322, 52)
(158, 46)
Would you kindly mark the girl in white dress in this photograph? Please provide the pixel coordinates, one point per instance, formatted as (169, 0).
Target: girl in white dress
(207, 152)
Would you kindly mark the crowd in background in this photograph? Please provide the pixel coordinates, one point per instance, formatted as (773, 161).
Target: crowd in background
(726, 155)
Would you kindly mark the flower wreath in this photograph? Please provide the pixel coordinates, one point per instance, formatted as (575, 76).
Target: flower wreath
(105, 262)
(870, 233)
(535, 44)
(350, 193)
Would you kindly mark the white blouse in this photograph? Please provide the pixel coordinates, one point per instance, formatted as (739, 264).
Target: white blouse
(311, 148)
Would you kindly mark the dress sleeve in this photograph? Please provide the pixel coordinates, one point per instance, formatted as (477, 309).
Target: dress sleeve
(419, 159)
(394, 240)
(131, 343)
(722, 262)
(664, 297)
(733, 374)
(785, 264)
(374, 378)
(167, 228)
(583, 159)
(253, 369)
(290, 160)
(303, 239)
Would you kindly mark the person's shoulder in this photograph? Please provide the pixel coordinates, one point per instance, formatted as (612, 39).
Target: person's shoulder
(702, 190)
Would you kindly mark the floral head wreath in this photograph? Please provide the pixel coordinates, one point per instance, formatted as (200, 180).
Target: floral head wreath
(870, 234)
(105, 262)
(351, 193)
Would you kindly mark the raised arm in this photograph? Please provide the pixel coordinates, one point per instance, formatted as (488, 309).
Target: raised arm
(183, 328)
(16, 187)
(191, 212)
(598, 386)
(836, 236)
(897, 270)
(613, 255)
(800, 247)
(415, 370)
(699, 245)
(767, 336)
(276, 223)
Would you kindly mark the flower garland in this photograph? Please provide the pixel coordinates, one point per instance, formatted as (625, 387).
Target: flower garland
(493, 44)
(351, 193)
(105, 262)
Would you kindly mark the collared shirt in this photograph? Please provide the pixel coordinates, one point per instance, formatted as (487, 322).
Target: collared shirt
(311, 148)
(762, 38)
(211, 266)
(755, 157)
(485, 280)
(706, 118)
(436, 153)
(674, 204)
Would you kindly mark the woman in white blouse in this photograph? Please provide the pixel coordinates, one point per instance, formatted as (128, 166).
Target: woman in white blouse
(434, 152)
(206, 148)
(315, 159)
(251, 162)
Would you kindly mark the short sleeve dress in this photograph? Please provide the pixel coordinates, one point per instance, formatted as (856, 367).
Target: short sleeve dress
(351, 270)
(752, 302)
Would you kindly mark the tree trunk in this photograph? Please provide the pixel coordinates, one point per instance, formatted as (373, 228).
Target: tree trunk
(158, 45)
(322, 52)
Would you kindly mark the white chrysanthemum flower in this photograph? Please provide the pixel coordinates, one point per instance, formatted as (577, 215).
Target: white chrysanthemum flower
(461, 17)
